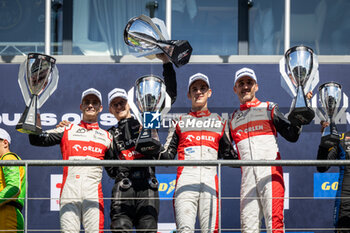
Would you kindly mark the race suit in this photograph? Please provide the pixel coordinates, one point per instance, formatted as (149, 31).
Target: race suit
(81, 199)
(342, 206)
(12, 194)
(197, 136)
(135, 198)
(254, 130)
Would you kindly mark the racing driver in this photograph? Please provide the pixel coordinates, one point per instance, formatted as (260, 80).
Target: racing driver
(81, 200)
(198, 135)
(135, 198)
(254, 128)
(342, 202)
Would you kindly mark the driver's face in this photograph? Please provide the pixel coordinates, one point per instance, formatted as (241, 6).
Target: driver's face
(90, 107)
(120, 108)
(245, 89)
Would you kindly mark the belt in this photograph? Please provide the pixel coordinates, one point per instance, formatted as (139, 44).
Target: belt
(15, 204)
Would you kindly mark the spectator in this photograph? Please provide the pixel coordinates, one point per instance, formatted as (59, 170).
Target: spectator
(12, 188)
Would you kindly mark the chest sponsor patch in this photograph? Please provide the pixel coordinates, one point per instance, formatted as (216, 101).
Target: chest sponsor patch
(189, 150)
(130, 154)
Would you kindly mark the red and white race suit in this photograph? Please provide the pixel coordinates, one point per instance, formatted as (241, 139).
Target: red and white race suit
(197, 136)
(254, 130)
(81, 194)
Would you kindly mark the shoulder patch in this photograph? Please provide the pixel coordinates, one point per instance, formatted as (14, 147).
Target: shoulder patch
(270, 106)
(234, 112)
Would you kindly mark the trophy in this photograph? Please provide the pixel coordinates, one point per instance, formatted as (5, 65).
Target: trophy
(142, 34)
(330, 96)
(302, 77)
(37, 78)
(153, 101)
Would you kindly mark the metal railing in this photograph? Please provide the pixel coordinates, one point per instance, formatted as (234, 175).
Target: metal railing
(145, 163)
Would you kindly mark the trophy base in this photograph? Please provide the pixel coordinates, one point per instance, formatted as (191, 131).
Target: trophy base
(179, 51)
(330, 140)
(28, 129)
(301, 116)
(29, 122)
(148, 143)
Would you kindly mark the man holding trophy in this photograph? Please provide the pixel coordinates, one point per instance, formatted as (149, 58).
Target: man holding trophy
(254, 128)
(81, 200)
(335, 146)
(135, 198)
(198, 135)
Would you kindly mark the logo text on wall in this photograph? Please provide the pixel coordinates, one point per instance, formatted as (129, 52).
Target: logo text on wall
(325, 184)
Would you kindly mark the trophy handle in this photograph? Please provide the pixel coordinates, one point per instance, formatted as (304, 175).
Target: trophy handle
(132, 105)
(22, 83)
(343, 109)
(286, 83)
(311, 84)
(316, 109)
(167, 105)
(151, 23)
(160, 23)
(52, 86)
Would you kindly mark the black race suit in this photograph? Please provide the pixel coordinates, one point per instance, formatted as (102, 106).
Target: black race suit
(137, 184)
(342, 206)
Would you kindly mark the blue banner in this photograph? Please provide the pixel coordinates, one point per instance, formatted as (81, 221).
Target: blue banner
(167, 184)
(306, 209)
(326, 184)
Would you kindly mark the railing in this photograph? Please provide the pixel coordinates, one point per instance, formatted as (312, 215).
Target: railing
(145, 163)
(27, 47)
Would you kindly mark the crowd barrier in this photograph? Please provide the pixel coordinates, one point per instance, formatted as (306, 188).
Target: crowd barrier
(143, 163)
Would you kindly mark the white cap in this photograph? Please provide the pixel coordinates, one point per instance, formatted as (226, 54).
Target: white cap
(245, 72)
(198, 76)
(91, 91)
(116, 92)
(5, 135)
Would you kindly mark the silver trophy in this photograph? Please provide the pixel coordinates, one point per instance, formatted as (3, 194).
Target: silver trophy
(153, 102)
(302, 77)
(142, 34)
(330, 96)
(37, 78)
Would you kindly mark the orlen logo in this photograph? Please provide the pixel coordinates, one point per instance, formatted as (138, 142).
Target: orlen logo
(250, 129)
(239, 132)
(202, 137)
(129, 154)
(190, 137)
(325, 184)
(167, 184)
(77, 147)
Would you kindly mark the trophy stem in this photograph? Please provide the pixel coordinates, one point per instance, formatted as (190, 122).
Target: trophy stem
(148, 142)
(30, 122)
(330, 136)
(333, 128)
(301, 114)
